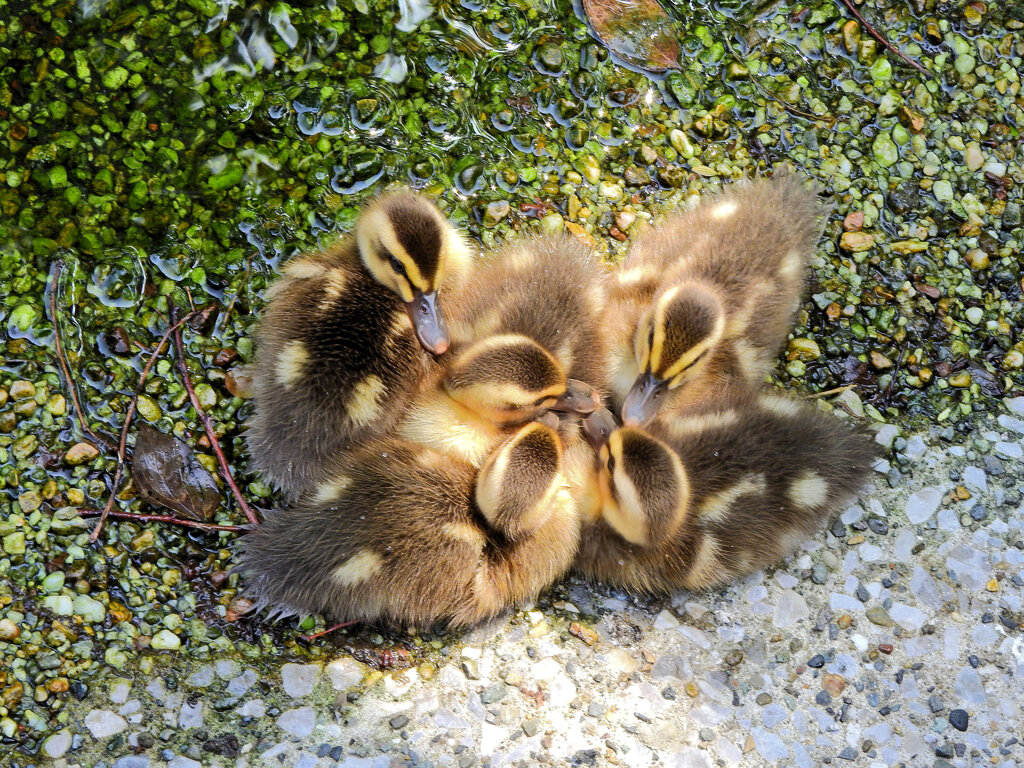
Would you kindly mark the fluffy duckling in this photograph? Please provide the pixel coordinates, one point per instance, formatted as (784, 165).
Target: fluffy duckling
(346, 335)
(487, 389)
(403, 535)
(710, 296)
(549, 289)
(699, 501)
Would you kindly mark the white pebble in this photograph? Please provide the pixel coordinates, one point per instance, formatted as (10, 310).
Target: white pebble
(299, 679)
(922, 504)
(103, 723)
(298, 722)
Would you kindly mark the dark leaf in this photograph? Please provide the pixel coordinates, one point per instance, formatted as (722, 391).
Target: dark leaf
(989, 384)
(166, 473)
(637, 30)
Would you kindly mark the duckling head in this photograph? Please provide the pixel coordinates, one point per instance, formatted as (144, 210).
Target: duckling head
(403, 243)
(511, 379)
(644, 487)
(671, 345)
(518, 482)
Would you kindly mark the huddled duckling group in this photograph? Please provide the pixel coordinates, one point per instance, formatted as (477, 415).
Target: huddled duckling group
(438, 421)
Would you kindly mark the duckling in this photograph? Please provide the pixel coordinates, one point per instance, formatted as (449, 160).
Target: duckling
(346, 335)
(698, 501)
(403, 535)
(709, 297)
(487, 389)
(526, 337)
(549, 289)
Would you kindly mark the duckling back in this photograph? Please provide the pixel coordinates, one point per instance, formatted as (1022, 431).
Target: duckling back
(336, 360)
(764, 471)
(753, 243)
(549, 289)
(394, 535)
(345, 337)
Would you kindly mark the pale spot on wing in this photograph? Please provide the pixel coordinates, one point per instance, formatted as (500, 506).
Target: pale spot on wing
(334, 287)
(792, 265)
(358, 568)
(808, 489)
(780, 406)
(291, 363)
(692, 425)
(706, 569)
(303, 269)
(467, 533)
(362, 407)
(754, 362)
(723, 210)
(332, 490)
(716, 507)
(636, 275)
(521, 258)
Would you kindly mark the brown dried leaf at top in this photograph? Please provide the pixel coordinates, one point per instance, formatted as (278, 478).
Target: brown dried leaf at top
(637, 30)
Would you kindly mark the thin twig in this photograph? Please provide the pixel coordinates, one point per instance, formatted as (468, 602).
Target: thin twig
(208, 426)
(880, 38)
(122, 447)
(828, 392)
(827, 119)
(58, 267)
(315, 635)
(161, 519)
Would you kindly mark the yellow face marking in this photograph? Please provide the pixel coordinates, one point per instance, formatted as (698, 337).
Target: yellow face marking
(723, 210)
(334, 288)
(466, 533)
(780, 406)
(808, 489)
(332, 490)
(658, 324)
(291, 363)
(706, 569)
(679, 372)
(716, 507)
(358, 568)
(362, 407)
(490, 483)
(695, 425)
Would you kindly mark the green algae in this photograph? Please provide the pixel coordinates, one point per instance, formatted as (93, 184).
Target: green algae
(174, 153)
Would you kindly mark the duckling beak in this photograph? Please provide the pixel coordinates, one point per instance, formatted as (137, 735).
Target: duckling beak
(598, 427)
(428, 320)
(579, 397)
(642, 403)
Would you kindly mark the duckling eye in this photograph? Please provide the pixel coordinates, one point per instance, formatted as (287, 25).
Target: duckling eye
(611, 464)
(396, 265)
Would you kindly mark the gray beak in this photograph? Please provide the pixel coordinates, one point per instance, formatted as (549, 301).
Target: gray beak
(642, 403)
(579, 397)
(429, 323)
(598, 427)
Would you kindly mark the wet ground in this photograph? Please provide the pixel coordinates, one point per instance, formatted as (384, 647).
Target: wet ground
(174, 153)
